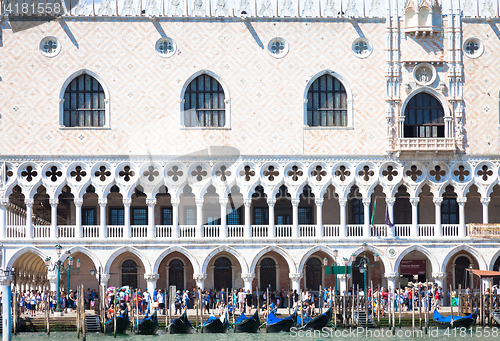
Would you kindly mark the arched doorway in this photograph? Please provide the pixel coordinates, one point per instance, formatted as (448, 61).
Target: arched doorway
(176, 274)
(30, 272)
(268, 274)
(414, 267)
(314, 276)
(223, 273)
(129, 273)
(462, 277)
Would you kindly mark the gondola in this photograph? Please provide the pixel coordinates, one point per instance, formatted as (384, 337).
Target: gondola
(148, 325)
(180, 325)
(247, 324)
(444, 322)
(276, 324)
(317, 323)
(216, 325)
(122, 323)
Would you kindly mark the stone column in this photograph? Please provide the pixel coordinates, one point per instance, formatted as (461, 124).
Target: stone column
(199, 218)
(175, 217)
(271, 230)
(414, 217)
(200, 280)
(438, 229)
(341, 283)
(52, 277)
(485, 202)
(151, 282)
(151, 218)
(247, 233)
(78, 218)
(366, 214)
(295, 278)
(103, 233)
(223, 217)
(29, 217)
(343, 220)
(390, 210)
(126, 217)
(247, 281)
(3, 217)
(295, 218)
(439, 278)
(319, 217)
(105, 280)
(53, 218)
(461, 216)
(392, 278)
(6, 309)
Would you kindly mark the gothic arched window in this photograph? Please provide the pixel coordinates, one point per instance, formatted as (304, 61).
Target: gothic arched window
(327, 103)
(84, 103)
(424, 117)
(204, 103)
(129, 273)
(223, 273)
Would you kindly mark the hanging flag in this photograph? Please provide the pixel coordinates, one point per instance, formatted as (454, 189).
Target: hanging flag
(373, 211)
(387, 218)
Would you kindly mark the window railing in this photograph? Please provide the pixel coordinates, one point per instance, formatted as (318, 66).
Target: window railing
(66, 231)
(414, 144)
(41, 231)
(187, 231)
(331, 230)
(211, 231)
(354, 230)
(115, 231)
(283, 231)
(402, 230)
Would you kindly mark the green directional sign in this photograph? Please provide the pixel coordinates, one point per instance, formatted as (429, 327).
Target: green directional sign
(337, 270)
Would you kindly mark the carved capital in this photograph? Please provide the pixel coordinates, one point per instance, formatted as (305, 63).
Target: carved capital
(319, 202)
(295, 276)
(439, 275)
(151, 202)
(391, 275)
(4, 202)
(151, 277)
(29, 202)
(127, 201)
(52, 277)
(102, 201)
(437, 201)
(342, 201)
(199, 277)
(5, 280)
(199, 202)
(78, 202)
(414, 201)
(462, 200)
(390, 201)
(247, 202)
(223, 201)
(271, 202)
(295, 202)
(248, 277)
(485, 201)
(175, 201)
(367, 201)
(54, 202)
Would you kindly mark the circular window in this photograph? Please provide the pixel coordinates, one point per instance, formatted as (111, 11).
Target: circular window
(278, 47)
(165, 47)
(424, 74)
(50, 46)
(362, 47)
(473, 48)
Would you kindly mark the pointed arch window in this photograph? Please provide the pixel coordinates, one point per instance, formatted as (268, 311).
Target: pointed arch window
(327, 103)
(204, 103)
(424, 117)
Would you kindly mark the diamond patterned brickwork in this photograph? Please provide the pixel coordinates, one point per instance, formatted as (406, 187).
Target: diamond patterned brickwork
(266, 93)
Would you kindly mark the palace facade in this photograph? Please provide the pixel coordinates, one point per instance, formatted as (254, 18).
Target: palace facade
(214, 144)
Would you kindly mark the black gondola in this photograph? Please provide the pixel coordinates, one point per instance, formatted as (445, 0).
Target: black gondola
(148, 325)
(216, 325)
(247, 324)
(180, 325)
(444, 322)
(122, 323)
(276, 324)
(317, 323)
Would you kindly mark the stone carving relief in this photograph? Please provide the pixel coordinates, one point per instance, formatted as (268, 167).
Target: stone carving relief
(198, 8)
(175, 8)
(330, 10)
(221, 9)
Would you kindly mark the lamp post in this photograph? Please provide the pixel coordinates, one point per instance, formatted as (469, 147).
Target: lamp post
(61, 268)
(471, 279)
(363, 266)
(346, 260)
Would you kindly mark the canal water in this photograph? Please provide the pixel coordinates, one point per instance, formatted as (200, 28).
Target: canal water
(477, 334)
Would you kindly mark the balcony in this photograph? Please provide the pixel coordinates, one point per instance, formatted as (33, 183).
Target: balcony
(168, 233)
(425, 144)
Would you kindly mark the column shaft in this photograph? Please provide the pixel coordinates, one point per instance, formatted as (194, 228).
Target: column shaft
(53, 218)
(151, 218)
(29, 218)
(343, 220)
(223, 216)
(390, 212)
(103, 233)
(414, 217)
(485, 202)
(461, 216)
(175, 217)
(199, 218)
(271, 229)
(295, 218)
(366, 215)
(247, 233)
(438, 230)
(3, 218)
(78, 218)
(319, 218)
(126, 217)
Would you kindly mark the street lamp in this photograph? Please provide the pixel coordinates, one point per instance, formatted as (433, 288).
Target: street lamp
(61, 268)
(363, 265)
(335, 254)
(471, 279)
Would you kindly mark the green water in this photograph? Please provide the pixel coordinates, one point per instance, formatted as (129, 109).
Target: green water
(383, 334)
